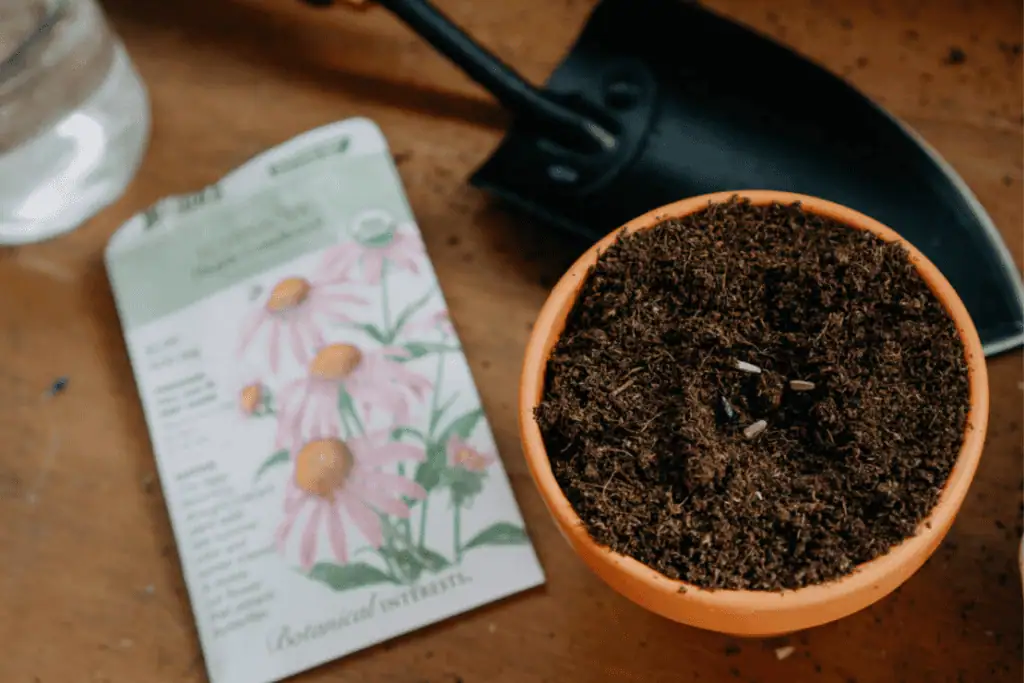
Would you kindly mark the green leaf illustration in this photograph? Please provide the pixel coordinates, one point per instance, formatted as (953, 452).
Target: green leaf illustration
(416, 350)
(399, 432)
(431, 561)
(501, 533)
(462, 426)
(463, 484)
(378, 336)
(408, 311)
(409, 564)
(279, 458)
(344, 577)
(428, 474)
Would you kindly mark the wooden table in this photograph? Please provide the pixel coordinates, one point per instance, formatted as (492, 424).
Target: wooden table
(90, 586)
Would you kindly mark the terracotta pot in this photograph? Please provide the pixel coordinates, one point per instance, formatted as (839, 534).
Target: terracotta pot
(750, 613)
(1020, 558)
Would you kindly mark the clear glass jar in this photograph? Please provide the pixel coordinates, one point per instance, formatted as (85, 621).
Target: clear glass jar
(74, 117)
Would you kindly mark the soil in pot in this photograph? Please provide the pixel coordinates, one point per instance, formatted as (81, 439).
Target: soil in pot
(754, 398)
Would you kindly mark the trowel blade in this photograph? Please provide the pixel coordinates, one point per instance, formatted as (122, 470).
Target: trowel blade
(703, 104)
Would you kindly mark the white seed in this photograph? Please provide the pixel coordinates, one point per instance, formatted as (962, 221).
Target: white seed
(752, 430)
(757, 494)
(800, 385)
(783, 652)
(746, 367)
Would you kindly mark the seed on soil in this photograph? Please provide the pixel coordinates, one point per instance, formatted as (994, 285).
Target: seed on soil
(751, 431)
(801, 385)
(726, 411)
(744, 366)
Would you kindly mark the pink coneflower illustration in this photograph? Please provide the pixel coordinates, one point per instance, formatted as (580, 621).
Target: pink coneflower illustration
(340, 483)
(461, 454)
(376, 382)
(379, 239)
(296, 309)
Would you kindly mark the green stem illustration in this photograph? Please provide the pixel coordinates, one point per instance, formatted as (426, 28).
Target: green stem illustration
(438, 378)
(355, 418)
(389, 549)
(423, 522)
(404, 524)
(425, 506)
(353, 414)
(384, 303)
(392, 571)
(346, 428)
(457, 522)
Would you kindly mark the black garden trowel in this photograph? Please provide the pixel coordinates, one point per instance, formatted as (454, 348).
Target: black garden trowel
(664, 99)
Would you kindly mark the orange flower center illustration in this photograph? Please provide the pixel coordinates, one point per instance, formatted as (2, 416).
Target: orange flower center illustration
(287, 294)
(322, 466)
(335, 362)
(469, 459)
(249, 398)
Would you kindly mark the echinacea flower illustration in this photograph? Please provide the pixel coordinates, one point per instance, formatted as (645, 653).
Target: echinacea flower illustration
(464, 478)
(379, 239)
(338, 485)
(295, 311)
(251, 396)
(374, 380)
(462, 455)
(252, 399)
(467, 469)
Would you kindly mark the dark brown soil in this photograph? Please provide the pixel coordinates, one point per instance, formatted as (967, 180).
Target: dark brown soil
(644, 412)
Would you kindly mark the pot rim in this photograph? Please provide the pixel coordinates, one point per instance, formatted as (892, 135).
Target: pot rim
(548, 328)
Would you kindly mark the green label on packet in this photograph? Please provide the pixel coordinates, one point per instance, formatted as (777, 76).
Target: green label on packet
(210, 250)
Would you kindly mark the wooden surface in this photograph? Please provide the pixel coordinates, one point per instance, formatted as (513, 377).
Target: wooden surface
(90, 586)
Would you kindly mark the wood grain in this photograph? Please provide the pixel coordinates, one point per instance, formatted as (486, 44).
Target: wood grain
(90, 584)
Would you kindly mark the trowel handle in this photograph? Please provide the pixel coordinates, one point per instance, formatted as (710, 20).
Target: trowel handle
(557, 121)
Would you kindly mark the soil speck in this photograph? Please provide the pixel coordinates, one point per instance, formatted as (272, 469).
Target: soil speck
(955, 56)
(784, 652)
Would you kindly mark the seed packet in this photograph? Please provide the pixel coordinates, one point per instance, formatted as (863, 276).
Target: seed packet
(331, 477)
